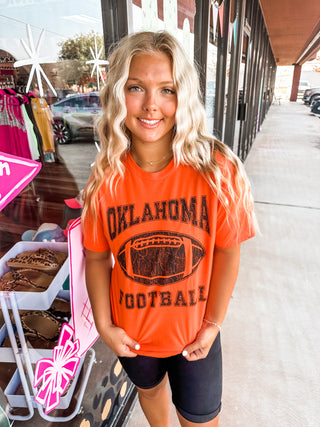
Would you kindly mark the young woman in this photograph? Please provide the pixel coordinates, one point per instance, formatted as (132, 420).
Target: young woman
(166, 209)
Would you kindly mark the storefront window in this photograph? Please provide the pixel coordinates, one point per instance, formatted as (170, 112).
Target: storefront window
(211, 66)
(175, 16)
(52, 51)
(241, 93)
(219, 57)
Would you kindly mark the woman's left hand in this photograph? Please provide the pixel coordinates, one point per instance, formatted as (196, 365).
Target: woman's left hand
(200, 347)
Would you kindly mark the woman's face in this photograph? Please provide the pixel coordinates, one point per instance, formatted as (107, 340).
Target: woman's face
(151, 99)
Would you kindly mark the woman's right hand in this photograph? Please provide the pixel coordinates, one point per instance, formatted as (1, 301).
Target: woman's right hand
(119, 342)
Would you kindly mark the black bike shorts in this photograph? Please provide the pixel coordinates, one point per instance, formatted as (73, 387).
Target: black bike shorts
(196, 386)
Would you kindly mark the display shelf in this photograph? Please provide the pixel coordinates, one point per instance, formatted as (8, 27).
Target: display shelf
(6, 353)
(25, 357)
(37, 300)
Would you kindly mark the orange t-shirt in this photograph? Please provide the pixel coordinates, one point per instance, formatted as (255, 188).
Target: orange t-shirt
(162, 228)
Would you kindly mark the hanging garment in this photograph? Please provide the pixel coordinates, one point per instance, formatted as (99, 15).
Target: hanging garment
(32, 139)
(29, 110)
(13, 133)
(43, 117)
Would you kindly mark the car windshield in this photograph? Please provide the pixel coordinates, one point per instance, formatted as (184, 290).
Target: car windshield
(80, 101)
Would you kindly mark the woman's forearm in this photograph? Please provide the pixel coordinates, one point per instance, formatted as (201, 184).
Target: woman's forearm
(223, 279)
(98, 272)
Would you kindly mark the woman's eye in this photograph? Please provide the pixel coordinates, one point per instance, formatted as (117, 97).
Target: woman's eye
(168, 91)
(134, 88)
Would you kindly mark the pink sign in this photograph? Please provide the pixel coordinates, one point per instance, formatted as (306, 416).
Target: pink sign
(83, 323)
(15, 174)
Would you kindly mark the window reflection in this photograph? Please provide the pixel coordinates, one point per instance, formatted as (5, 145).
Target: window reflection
(212, 66)
(67, 37)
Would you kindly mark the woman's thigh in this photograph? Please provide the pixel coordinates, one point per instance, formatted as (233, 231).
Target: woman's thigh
(145, 372)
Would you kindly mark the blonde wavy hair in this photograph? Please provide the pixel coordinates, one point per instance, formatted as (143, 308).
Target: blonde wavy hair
(192, 144)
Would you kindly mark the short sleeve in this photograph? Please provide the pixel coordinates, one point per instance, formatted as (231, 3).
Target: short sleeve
(94, 238)
(234, 223)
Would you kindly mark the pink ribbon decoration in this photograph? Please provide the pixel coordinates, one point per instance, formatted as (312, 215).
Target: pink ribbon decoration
(56, 373)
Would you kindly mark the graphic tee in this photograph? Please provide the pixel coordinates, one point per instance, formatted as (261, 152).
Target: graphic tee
(162, 228)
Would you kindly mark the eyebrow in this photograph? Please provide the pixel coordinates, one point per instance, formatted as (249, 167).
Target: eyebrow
(135, 79)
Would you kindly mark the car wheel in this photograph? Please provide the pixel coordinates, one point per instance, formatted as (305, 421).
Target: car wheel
(313, 98)
(61, 132)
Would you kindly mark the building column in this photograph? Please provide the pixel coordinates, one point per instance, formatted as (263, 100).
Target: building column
(115, 22)
(295, 82)
(201, 40)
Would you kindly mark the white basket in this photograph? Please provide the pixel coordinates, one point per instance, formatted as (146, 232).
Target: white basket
(36, 300)
(6, 353)
(19, 400)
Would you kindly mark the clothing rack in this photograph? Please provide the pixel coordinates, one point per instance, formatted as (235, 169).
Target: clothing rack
(35, 131)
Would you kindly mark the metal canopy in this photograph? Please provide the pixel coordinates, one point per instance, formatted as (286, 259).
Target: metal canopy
(294, 29)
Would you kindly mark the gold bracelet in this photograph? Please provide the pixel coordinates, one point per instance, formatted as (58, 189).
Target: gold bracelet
(213, 323)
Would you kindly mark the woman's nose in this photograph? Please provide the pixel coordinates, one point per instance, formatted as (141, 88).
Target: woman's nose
(150, 102)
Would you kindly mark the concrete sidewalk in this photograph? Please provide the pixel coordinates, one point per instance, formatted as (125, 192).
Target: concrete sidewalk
(271, 336)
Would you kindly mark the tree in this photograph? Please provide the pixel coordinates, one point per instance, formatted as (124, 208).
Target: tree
(76, 51)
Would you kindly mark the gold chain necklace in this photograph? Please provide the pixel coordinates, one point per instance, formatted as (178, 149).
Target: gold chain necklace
(151, 162)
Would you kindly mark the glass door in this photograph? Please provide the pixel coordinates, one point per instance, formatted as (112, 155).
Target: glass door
(239, 137)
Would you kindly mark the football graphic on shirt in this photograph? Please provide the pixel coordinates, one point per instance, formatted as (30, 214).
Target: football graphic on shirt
(160, 257)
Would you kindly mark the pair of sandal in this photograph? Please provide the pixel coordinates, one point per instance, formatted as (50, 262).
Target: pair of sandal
(42, 328)
(43, 259)
(41, 325)
(46, 325)
(25, 280)
(32, 271)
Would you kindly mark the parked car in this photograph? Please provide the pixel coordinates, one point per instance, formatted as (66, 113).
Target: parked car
(315, 108)
(74, 116)
(310, 94)
(303, 86)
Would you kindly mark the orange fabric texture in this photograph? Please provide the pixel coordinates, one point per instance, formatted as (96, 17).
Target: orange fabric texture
(162, 229)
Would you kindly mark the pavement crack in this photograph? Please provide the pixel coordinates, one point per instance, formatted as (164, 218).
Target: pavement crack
(286, 205)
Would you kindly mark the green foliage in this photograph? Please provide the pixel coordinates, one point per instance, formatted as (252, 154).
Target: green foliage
(78, 47)
(75, 52)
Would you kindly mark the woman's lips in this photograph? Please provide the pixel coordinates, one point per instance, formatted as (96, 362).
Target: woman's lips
(149, 123)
